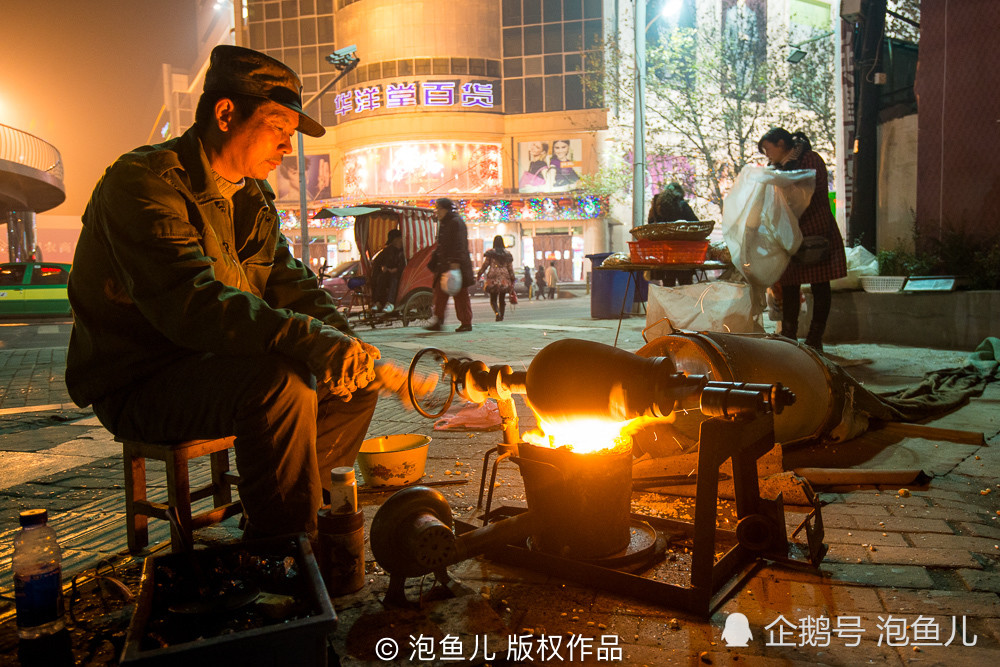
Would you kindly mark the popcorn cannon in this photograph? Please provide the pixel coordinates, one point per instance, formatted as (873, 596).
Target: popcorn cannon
(578, 524)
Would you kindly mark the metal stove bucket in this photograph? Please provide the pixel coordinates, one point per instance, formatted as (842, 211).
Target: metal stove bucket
(585, 500)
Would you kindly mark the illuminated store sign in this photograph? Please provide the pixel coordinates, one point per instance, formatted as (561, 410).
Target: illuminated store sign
(416, 168)
(451, 94)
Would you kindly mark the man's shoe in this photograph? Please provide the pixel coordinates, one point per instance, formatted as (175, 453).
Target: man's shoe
(464, 327)
(433, 325)
(499, 317)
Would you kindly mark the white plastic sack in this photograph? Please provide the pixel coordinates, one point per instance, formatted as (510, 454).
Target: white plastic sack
(760, 220)
(451, 281)
(711, 306)
(860, 262)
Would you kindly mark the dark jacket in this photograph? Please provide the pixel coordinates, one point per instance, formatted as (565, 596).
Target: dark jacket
(161, 272)
(669, 208)
(389, 257)
(452, 246)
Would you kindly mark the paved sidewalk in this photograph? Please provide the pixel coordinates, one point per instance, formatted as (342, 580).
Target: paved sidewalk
(900, 568)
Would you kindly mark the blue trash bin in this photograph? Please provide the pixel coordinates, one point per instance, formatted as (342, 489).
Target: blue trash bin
(608, 289)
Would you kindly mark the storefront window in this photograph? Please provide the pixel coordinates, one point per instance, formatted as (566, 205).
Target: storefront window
(419, 168)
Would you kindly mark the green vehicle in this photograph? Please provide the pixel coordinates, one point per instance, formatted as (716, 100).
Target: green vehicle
(34, 288)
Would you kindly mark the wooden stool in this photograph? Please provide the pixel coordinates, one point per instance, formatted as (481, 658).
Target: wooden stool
(179, 494)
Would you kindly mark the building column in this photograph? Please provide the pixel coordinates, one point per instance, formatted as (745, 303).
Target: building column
(21, 238)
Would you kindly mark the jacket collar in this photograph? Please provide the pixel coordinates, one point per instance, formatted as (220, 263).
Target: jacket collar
(193, 161)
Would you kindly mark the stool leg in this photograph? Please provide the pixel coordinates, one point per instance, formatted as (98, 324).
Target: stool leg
(179, 498)
(136, 524)
(222, 493)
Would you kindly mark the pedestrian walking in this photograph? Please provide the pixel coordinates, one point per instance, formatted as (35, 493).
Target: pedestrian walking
(527, 281)
(498, 265)
(451, 254)
(551, 279)
(540, 283)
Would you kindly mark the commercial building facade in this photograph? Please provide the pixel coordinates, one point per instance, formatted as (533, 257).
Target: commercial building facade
(482, 101)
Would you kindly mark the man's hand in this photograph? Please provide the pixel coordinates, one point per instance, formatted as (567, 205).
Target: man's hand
(341, 361)
(356, 368)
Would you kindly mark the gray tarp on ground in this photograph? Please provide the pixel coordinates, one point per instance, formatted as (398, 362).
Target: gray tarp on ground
(940, 391)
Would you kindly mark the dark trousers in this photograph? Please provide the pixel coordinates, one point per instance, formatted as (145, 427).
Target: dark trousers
(384, 288)
(822, 301)
(498, 300)
(463, 304)
(289, 433)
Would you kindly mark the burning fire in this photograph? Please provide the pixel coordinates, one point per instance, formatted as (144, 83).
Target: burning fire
(582, 436)
(587, 436)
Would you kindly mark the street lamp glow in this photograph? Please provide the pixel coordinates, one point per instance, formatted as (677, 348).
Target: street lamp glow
(671, 8)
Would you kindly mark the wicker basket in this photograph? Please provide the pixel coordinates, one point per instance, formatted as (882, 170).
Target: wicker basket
(682, 230)
(882, 284)
(668, 252)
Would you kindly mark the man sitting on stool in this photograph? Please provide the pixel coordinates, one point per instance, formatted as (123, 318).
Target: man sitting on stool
(192, 318)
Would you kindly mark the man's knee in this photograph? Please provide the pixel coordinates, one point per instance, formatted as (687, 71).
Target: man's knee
(279, 380)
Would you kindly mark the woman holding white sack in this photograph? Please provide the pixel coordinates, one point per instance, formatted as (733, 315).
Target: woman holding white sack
(821, 257)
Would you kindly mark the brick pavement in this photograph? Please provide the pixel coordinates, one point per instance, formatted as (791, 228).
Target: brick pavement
(893, 559)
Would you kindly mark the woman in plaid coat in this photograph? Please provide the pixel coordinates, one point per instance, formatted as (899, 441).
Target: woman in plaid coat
(786, 151)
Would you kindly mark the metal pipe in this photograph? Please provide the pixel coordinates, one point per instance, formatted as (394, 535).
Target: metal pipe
(303, 204)
(639, 118)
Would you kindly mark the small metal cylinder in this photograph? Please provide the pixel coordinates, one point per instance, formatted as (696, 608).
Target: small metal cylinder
(584, 501)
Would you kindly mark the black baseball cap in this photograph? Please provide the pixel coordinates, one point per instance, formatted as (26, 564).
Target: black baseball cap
(242, 71)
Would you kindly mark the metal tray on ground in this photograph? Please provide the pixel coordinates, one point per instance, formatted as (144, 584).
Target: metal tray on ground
(301, 640)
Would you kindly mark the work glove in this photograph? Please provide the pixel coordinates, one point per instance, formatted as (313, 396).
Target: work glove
(343, 362)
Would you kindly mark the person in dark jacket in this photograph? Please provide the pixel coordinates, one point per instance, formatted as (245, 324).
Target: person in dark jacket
(793, 151)
(527, 280)
(669, 206)
(540, 282)
(387, 267)
(191, 317)
(452, 252)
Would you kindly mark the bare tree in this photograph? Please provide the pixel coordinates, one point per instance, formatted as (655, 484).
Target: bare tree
(711, 93)
(711, 90)
(810, 87)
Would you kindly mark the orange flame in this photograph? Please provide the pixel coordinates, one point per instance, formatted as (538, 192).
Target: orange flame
(586, 436)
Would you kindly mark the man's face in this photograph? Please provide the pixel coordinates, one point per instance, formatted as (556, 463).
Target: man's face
(254, 146)
(439, 213)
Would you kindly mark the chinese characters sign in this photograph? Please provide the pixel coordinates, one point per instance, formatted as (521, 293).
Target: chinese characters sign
(448, 94)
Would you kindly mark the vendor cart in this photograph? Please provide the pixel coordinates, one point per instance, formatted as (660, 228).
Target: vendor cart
(414, 297)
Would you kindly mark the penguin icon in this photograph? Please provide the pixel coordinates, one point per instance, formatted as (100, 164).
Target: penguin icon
(737, 630)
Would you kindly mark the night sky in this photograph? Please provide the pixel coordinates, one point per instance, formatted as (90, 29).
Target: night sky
(84, 75)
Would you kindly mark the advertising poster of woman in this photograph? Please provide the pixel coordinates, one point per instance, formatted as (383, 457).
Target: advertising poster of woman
(286, 178)
(549, 166)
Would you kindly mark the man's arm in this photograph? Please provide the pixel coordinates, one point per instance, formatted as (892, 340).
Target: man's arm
(163, 268)
(292, 286)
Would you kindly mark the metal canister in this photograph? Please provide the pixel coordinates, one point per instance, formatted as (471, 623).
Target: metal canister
(341, 551)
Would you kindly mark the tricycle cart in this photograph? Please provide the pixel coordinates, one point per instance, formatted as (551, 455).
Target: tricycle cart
(414, 297)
